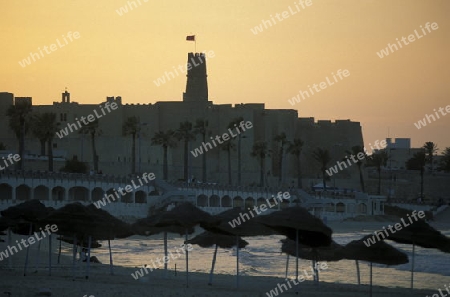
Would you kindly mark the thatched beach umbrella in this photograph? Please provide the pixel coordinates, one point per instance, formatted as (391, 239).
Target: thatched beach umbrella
(297, 224)
(184, 215)
(23, 218)
(225, 223)
(378, 252)
(146, 227)
(421, 234)
(208, 239)
(333, 252)
(115, 229)
(86, 224)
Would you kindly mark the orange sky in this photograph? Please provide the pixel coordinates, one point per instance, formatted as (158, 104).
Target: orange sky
(122, 56)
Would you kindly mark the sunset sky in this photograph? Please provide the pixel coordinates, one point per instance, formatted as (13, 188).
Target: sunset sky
(121, 55)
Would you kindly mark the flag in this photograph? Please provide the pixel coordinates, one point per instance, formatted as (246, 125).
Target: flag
(190, 37)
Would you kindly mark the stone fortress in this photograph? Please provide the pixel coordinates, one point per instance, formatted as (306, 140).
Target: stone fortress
(114, 149)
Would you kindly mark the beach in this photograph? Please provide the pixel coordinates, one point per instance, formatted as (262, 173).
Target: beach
(262, 270)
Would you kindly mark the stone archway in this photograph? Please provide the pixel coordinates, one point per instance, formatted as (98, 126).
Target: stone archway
(23, 193)
(6, 192)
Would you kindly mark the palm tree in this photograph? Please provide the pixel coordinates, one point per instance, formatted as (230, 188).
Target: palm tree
(184, 133)
(92, 128)
(445, 160)
(232, 125)
(378, 160)
(166, 140)
(281, 138)
(259, 150)
(430, 148)
(18, 121)
(201, 127)
(357, 149)
(295, 148)
(44, 127)
(48, 120)
(228, 146)
(418, 162)
(38, 131)
(323, 157)
(132, 127)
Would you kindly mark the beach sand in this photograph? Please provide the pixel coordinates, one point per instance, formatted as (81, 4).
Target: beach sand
(101, 283)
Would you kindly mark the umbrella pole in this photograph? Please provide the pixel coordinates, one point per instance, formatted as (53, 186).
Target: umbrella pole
(412, 266)
(74, 255)
(370, 279)
(50, 254)
(59, 253)
(110, 258)
(28, 250)
(358, 274)
(9, 244)
(237, 261)
(296, 259)
(165, 254)
(287, 266)
(36, 263)
(187, 260)
(212, 266)
(88, 260)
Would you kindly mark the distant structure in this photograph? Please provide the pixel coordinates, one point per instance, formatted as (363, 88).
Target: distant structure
(197, 82)
(114, 149)
(398, 143)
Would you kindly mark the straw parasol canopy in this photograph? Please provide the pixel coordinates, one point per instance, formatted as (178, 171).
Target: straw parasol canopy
(421, 234)
(297, 224)
(146, 227)
(297, 221)
(379, 252)
(208, 239)
(86, 224)
(31, 211)
(331, 253)
(184, 215)
(22, 219)
(222, 223)
(225, 223)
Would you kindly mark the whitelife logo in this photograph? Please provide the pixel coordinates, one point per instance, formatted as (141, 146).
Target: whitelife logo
(124, 9)
(323, 85)
(411, 38)
(11, 250)
(91, 118)
(361, 156)
(266, 24)
(9, 161)
(166, 259)
(169, 75)
(423, 123)
(128, 189)
(372, 240)
(49, 49)
(225, 137)
(262, 208)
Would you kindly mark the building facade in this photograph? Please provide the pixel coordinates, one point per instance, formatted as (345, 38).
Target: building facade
(114, 150)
